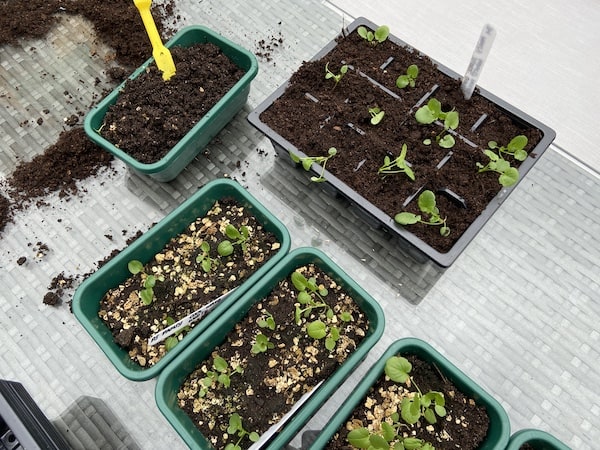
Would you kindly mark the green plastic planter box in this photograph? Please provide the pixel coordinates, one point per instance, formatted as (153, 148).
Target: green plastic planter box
(537, 439)
(86, 301)
(499, 431)
(208, 127)
(173, 377)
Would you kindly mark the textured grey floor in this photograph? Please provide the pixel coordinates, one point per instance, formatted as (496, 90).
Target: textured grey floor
(519, 309)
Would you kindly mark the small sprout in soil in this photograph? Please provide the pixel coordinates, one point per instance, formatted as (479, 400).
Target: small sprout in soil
(427, 205)
(398, 165)
(516, 147)
(336, 77)
(147, 293)
(203, 258)
(308, 161)
(236, 237)
(236, 428)
(374, 38)
(409, 79)
(508, 175)
(376, 115)
(268, 322)
(221, 374)
(306, 301)
(172, 341)
(262, 344)
(431, 112)
(391, 437)
(426, 405)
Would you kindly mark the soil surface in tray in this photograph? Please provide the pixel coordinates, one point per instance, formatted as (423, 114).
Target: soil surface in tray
(151, 115)
(315, 114)
(269, 382)
(183, 283)
(465, 425)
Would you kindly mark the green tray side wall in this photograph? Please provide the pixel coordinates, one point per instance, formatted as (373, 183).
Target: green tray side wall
(499, 431)
(539, 440)
(171, 379)
(86, 301)
(208, 127)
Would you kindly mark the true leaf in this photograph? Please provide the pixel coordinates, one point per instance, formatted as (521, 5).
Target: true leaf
(509, 177)
(425, 115)
(412, 71)
(407, 413)
(447, 141)
(316, 329)
(517, 143)
(429, 416)
(382, 33)
(146, 295)
(426, 201)
(362, 32)
(451, 120)
(397, 369)
(254, 436)
(402, 81)
(220, 364)
(329, 344)
(225, 248)
(389, 434)
(232, 232)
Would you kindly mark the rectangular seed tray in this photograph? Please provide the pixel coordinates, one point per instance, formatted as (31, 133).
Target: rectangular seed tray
(86, 301)
(375, 216)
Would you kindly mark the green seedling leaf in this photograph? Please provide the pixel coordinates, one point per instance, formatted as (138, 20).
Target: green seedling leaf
(225, 248)
(359, 438)
(388, 432)
(206, 264)
(426, 201)
(451, 121)
(413, 443)
(412, 71)
(205, 247)
(316, 329)
(171, 342)
(254, 436)
(224, 379)
(397, 368)
(235, 424)
(299, 281)
(517, 143)
(382, 33)
(134, 266)
(402, 81)
(406, 218)
(150, 282)
(447, 141)
(410, 411)
(425, 116)
(307, 164)
(345, 316)
(362, 32)
(220, 364)
(330, 344)
(378, 442)
(509, 177)
(294, 158)
(232, 232)
(146, 296)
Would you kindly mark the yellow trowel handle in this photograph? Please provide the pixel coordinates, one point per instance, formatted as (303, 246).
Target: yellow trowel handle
(161, 54)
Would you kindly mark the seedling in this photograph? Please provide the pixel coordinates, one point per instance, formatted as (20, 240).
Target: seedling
(149, 281)
(391, 437)
(428, 405)
(431, 112)
(308, 161)
(335, 76)
(516, 147)
(221, 374)
(203, 258)
(427, 205)
(172, 341)
(236, 237)
(374, 38)
(398, 165)
(268, 322)
(408, 79)
(307, 287)
(508, 175)
(319, 330)
(236, 428)
(262, 344)
(376, 115)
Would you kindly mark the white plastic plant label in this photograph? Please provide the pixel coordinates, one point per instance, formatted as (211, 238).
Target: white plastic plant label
(480, 54)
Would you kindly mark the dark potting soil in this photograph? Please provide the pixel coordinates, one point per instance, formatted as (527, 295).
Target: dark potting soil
(151, 115)
(72, 159)
(315, 114)
(119, 25)
(273, 380)
(465, 425)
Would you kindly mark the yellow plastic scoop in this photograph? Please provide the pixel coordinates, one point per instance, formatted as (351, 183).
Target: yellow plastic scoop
(161, 54)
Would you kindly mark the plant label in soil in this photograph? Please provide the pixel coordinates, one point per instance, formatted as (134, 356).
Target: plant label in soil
(480, 54)
(187, 320)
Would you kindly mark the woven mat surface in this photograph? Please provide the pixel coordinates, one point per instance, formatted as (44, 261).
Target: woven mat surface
(518, 311)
